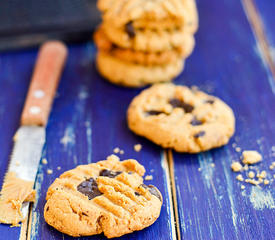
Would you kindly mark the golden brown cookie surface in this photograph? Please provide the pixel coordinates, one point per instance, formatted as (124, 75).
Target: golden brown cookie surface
(135, 75)
(108, 196)
(181, 118)
(140, 57)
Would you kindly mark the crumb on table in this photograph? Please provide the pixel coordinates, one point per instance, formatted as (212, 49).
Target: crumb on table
(148, 177)
(116, 150)
(236, 167)
(44, 161)
(49, 171)
(137, 147)
(251, 174)
(240, 178)
(58, 168)
(251, 157)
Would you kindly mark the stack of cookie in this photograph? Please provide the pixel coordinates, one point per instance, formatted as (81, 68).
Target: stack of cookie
(142, 42)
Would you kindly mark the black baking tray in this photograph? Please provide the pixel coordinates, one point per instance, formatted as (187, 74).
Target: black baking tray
(28, 23)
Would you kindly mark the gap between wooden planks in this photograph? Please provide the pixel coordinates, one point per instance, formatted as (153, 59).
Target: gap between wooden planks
(257, 27)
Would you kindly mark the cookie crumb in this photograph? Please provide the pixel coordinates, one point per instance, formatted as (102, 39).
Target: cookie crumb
(121, 152)
(116, 150)
(266, 182)
(236, 167)
(17, 163)
(240, 178)
(44, 161)
(212, 164)
(245, 167)
(49, 171)
(242, 187)
(251, 157)
(137, 147)
(58, 168)
(251, 174)
(262, 174)
(274, 176)
(238, 149)
(272, 166)
(199, 169)
(252, 181)
(148, 177)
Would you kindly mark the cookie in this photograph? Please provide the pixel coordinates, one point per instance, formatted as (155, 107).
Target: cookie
(135, 75)
(105, 197)
(184, 119)
(121, 12)
(190, 24)
(146, 39)
(140, 57)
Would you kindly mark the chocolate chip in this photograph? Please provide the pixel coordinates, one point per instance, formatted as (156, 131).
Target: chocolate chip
(176, 103)
(154, 112)
(129, 28)
(210, 101)
(83, 213)
(130, 173)
(47, 209)
(137, 194)
(109, 173)
(153, 190)
(196, 122)
(199, 134)
(89, 188)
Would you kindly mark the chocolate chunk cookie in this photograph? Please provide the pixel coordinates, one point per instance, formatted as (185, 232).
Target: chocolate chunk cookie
(105, 197)
(181, 118)
(140, 57)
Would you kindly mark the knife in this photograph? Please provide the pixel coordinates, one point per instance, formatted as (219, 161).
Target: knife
(30, 137)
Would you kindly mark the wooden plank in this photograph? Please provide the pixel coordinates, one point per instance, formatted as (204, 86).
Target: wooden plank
(266, 50)
(15, 72)
(226, 63)
(87, 122)
(265, 10)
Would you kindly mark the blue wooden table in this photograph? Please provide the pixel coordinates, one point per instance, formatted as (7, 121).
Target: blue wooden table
(234, 59)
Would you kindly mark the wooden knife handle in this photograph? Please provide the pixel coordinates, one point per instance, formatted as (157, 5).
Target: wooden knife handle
(44, 82)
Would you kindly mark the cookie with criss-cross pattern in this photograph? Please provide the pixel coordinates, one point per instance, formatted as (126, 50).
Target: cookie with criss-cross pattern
(181, 118)
(105, 197)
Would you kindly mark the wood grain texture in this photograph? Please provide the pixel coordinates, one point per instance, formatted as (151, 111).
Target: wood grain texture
(46, 75)
(265, 49)
(266, 13)
(87, 122)
(15, 75)
(226, 63)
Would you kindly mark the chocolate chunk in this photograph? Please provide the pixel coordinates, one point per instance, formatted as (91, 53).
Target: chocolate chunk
(137, 194)
(129, 28)
(47, 209)
(89, 188)
(154, 112)
(210, 101)
(176, 103)
(153, 190)
(109, 173)
(84, 214)
(199, 134)
(196, 122)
